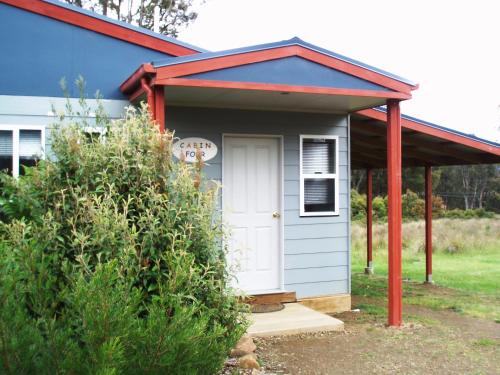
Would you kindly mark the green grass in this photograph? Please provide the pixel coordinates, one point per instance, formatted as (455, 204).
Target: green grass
(466, 263)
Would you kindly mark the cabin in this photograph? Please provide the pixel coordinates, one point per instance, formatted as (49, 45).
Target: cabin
(281, 126)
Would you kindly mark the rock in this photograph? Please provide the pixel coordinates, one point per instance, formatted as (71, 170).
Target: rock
(236, 353)
(246, 344)
(248, 361)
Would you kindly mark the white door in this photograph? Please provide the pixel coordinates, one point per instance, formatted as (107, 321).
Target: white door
(251, 201)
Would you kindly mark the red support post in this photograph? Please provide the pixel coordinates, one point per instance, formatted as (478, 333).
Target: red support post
(369, 218)
(150, 95)
(428, 224)
(394, 214)
(159, 114)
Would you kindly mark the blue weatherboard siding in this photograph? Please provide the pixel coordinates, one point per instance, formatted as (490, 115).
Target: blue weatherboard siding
(291, 71)
(316, 248)
(37, 51)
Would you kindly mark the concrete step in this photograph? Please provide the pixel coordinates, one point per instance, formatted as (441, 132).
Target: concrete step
(293, 319)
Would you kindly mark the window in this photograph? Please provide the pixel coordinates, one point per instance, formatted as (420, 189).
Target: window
(94, 133)
(20, 146)
(319, 175)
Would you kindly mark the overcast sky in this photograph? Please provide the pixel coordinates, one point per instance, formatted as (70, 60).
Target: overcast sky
(451, 48)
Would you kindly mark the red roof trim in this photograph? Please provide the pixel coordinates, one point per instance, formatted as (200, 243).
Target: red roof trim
(100, 26)
(425, 129)
(199, 66)
(278, 88)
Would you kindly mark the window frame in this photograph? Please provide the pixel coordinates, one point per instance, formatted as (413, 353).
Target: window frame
(15, 129)
(327, 176)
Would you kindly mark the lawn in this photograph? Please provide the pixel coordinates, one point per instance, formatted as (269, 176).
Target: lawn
(466, 265)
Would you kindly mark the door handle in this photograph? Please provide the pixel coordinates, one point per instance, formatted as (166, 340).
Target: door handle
(276, 215)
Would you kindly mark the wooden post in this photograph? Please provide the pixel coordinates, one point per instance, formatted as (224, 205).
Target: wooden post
(428, 224)
(159, 115)
(369, 213)
(394, 214)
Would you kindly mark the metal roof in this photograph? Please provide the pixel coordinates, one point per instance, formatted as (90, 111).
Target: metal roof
(124, 24)
(285, 43)
(443, 128)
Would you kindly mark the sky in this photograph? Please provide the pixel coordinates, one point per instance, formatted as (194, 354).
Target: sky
(450, 48)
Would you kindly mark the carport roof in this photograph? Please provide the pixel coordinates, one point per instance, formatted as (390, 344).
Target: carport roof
(423, 143)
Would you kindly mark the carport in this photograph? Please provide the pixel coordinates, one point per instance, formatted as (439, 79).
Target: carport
(423, 144)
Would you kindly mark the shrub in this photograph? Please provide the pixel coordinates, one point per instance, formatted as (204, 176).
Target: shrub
(111, 259)
(413, 206)
(358, 205)
(379, 205)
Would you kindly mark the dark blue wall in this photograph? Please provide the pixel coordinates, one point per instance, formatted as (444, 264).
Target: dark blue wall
(37, 51)
(292, 71)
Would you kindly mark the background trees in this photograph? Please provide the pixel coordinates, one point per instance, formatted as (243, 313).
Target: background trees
(459, 187)
(172, 14)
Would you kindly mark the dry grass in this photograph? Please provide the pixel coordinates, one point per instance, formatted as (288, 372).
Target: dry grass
(449, 236)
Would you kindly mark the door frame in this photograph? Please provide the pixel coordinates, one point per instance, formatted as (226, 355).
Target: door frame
(281, 200)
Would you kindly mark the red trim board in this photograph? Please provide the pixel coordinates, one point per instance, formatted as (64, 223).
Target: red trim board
(279, 87)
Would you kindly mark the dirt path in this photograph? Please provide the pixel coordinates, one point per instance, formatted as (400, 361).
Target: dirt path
(431, 342)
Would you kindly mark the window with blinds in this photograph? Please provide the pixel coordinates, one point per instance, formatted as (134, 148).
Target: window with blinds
(6, 150)
(318, 175)
(30, 148)
(20, 146)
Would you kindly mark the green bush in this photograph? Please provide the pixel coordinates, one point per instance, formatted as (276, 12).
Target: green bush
(358, 205)
(413, 206)
(111, 259)
(468, 214)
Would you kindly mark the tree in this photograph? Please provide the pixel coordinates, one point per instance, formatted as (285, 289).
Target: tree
(172, 13)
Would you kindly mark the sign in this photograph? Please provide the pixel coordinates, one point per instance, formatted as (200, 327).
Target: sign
(186, 149)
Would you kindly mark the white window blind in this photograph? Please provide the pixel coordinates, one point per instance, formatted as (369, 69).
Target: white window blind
(30, 143)
(318, 175)
(6, 142)
(318, 156)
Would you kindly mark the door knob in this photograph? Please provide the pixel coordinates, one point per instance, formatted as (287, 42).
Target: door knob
(276, 215)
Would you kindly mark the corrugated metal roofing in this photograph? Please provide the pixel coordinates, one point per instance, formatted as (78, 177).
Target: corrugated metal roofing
(285, 43)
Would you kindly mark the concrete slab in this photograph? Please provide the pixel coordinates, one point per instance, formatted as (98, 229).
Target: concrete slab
(294, 318)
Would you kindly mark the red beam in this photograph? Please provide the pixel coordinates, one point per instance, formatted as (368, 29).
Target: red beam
(428, 224)
(100, 26)
(132, 82)
(394, 215)
(369, 213)
(159, 94)
(187, 82)
(150, 95)
(429, 130)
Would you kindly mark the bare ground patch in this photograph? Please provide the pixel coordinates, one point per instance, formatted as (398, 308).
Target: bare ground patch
(431, 341)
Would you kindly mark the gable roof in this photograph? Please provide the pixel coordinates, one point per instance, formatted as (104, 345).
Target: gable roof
(184, 71)
(117, 29)
(295, 41)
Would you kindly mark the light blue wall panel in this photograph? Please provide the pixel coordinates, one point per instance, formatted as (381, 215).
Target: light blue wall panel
(316, 245)
(319, 288)
(311, 243)
(314, 260)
